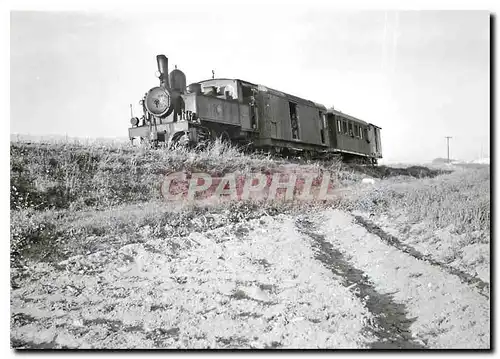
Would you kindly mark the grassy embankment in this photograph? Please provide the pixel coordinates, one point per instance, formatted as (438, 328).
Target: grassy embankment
(69, 199)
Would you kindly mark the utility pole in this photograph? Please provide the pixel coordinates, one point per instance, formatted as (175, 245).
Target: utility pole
(448, 146)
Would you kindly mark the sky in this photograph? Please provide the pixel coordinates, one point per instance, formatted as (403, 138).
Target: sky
(420, 75)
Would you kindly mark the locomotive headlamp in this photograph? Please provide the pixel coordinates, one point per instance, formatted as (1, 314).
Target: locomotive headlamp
(158, 101)
(157, 74)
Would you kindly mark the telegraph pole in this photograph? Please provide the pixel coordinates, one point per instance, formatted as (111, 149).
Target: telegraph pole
(448, 146)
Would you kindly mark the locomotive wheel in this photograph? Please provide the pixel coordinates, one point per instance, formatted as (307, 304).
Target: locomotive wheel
(179, 140)
(204, 137)
(223, 136)
(183, 140)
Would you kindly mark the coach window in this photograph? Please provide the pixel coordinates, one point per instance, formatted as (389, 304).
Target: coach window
(356, 130)
(361, 132)
(344, 127)
(366, 134)
(350, 129)
(339, 126)
(294, 120)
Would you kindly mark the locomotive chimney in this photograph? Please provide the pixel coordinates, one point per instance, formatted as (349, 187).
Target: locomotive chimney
(163, 70)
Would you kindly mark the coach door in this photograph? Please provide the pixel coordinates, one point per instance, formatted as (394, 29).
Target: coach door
(272, 116)
(372, 140)
(332, 136)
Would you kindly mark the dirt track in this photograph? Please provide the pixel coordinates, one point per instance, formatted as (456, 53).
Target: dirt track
(319, 281)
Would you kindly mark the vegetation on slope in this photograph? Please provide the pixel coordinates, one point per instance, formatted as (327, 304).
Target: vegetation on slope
(64, 196)
(461, 198)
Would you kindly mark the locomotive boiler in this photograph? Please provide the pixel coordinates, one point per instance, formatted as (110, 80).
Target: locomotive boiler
(246, 113)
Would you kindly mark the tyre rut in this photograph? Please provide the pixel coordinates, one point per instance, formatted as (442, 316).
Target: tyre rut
(483, 287)
(391, 325)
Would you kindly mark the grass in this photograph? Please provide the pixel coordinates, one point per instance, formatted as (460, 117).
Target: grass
(64, 195)
(461, 199)
(75, 176)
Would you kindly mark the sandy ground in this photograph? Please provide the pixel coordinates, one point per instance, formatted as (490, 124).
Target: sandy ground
(447, 312)
(318, 281)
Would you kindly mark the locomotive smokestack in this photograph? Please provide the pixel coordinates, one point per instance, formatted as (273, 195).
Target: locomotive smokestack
(163, 70)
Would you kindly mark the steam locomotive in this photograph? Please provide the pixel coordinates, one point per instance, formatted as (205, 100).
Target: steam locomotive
(246, 113)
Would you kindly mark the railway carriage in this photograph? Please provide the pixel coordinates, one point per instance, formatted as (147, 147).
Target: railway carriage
(250, 114)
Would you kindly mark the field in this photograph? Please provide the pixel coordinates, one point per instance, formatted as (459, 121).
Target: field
(99, 259)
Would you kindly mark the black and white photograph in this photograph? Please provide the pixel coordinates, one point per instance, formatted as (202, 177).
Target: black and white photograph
(250, 176)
